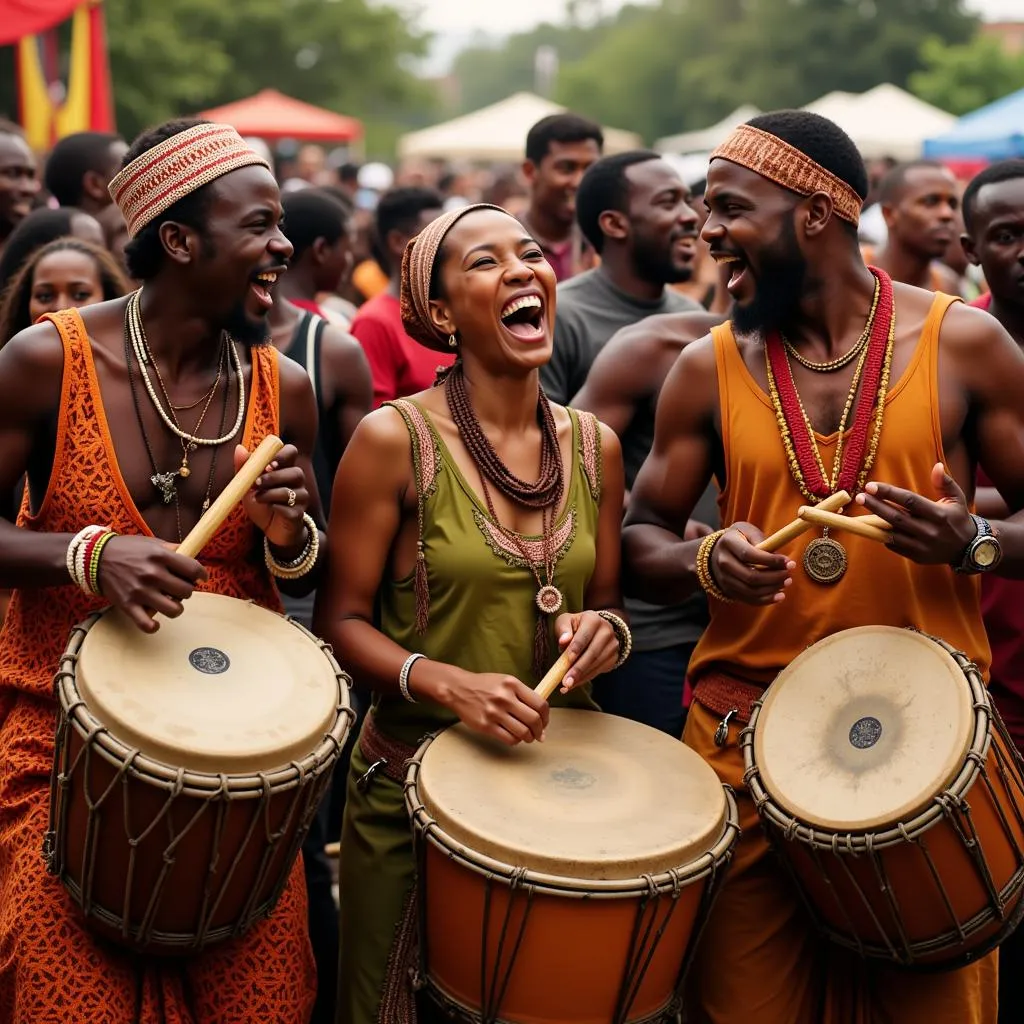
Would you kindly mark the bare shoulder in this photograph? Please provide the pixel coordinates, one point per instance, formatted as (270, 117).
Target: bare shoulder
(340, 345)
(697, 359)
(611, 447)
(973, 333)
(382, 439)
(663, 329)
(31, 371)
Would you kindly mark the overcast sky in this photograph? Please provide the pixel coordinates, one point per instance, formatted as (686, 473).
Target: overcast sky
(465, 16)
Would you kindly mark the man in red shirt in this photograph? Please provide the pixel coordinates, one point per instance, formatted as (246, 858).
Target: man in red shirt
(559, 150)
(993, 209)
(400, 366)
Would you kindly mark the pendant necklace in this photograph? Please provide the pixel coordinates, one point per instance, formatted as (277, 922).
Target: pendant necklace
(825, 560)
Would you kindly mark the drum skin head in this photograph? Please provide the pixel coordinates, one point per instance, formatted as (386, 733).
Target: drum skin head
(227, 687)
(600, 798)
(864, 729)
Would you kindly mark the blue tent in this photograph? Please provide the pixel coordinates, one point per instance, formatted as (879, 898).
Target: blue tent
(994, 132)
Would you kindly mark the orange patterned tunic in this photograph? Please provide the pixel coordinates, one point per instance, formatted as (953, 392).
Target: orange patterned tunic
(52, 970)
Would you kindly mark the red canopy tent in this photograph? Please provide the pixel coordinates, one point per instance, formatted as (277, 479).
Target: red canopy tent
(272, 116)
(19, 18)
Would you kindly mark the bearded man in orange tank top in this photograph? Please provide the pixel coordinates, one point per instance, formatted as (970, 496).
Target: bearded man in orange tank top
(86, 416)
(776, 408)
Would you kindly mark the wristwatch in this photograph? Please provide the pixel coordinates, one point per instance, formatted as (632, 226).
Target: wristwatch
(983, 553)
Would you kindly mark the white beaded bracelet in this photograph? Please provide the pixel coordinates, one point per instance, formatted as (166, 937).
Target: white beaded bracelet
(403, 676)
(75, 557)
(304, 563)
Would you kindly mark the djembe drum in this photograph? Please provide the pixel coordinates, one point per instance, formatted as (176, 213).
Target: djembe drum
(894, 795)
(189, 764)
(565, 882)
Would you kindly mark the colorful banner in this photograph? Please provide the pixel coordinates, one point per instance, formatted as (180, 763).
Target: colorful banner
(48, 110)
(20, 18)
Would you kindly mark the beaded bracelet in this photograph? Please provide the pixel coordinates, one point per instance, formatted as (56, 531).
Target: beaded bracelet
(705, 577)
(94, 561)
(297, 568)
(75, 559)
(622, 633)
(403, 676)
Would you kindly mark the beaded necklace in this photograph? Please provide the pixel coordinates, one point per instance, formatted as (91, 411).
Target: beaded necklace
(545, 494)
(825, 559)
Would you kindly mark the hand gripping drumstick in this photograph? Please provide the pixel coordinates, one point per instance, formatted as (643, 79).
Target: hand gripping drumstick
(551, 681)
(214, 516)
(851, 524)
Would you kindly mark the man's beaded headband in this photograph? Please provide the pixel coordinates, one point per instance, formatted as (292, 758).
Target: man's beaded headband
(778, 161)
(175, 167)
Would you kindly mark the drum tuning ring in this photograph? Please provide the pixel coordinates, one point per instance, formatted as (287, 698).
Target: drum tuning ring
(722, 732)
(364, 780)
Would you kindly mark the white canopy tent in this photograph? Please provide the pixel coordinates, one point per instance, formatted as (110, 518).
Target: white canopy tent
(706, 139)
(495, 134)
(884, 121)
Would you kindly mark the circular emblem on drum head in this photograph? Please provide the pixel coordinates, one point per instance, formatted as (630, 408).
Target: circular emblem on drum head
(571, 778)
(209, 661)
(865, 732)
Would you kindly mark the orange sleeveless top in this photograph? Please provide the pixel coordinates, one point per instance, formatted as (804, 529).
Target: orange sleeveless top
(880, 587)
(86, 487)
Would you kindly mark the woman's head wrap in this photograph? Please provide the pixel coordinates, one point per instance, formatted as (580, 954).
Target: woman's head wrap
(154, 181)
(417, 271)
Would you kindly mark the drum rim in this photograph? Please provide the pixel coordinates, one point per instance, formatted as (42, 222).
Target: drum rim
(708, 863)
(855, 841)
(71, 706)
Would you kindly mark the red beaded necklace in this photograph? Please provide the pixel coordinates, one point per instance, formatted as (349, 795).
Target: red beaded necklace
(800, 445)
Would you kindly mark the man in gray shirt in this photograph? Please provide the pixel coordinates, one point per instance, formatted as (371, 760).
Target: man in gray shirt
(634, 209)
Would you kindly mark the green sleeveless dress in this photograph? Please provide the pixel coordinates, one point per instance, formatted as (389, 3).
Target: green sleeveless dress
(482, 618)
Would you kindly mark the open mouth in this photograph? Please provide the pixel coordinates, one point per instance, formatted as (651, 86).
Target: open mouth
(737, 269)
(523, 317)
(261, 286)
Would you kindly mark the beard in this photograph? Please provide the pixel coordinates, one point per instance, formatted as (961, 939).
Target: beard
(243, 328)
(653, 262)
(779, 287)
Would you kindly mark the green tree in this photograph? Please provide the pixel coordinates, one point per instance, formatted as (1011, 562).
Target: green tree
(963, 77)
(685, 63)
(175, 57)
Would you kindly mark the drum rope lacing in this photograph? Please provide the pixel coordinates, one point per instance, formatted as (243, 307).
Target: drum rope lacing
(75, 715)
(891, 939)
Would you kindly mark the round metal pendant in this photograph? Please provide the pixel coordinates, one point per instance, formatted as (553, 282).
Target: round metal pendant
(825, 560)
(549, 599)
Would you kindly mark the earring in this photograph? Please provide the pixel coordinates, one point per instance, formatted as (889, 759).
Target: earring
(452, 341)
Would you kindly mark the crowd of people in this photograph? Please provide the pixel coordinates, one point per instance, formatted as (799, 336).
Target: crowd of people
(523, 416)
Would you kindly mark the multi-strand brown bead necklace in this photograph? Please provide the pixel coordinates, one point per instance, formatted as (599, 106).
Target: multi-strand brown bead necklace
(545, 494)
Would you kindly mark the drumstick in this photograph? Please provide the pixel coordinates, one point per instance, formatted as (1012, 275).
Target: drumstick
(553, 678)
(214, 516)
(851, 524)
(782, 537)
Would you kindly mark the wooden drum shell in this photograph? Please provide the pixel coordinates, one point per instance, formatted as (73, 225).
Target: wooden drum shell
(165, 860)
(505, 943)
(935, 892)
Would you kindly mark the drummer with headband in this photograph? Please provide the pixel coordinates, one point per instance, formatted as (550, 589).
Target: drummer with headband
(128, 419)
(457, 573)
(828, 378)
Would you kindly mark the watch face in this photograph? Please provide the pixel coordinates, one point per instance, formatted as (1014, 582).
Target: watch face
(985, 553)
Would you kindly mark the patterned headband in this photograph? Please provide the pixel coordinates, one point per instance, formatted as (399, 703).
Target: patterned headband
(417, 270)
(161, 176)
(778, 161)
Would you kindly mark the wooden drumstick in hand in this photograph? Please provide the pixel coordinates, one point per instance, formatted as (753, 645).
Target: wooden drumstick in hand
(851, 524)
(200, 534)
(554, 676)
(780, 538)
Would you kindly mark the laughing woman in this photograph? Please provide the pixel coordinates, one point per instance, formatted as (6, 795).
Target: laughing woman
(453, 580)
